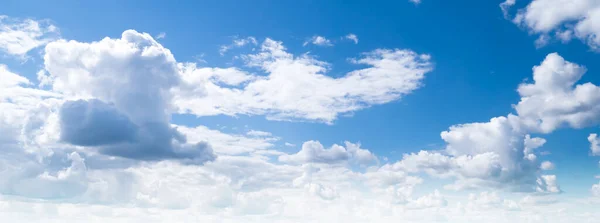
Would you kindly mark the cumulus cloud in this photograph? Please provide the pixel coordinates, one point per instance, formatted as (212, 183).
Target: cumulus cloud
(314, 152)
(128, 83)
(547, 184)
(296, 87)
(555, 19)
(547, 165)
(501, 153)
(19, 36)
(318, 41)
(555, 100)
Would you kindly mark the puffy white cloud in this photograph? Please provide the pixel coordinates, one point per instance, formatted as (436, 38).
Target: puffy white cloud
(501, 153)
(319, 41)
(553, 100)
(547, 165)
(352, 37)
(547, 184)
(296, 87)
(238, 42)
(560, 19)
(128, 83)
(19, 36)
(594, 144)
(314, 152)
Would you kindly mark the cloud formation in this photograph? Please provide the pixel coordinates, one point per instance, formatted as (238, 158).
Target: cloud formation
(296, 87)
(557, 19)
(19, 36)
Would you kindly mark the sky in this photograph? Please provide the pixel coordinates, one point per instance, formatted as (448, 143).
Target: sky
(300, 111)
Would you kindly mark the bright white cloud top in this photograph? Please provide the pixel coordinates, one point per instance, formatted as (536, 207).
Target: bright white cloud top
(96, 141)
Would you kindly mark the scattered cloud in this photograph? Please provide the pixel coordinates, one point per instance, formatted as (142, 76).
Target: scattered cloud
(303, 91)
(552, 19)
(318, 41)
(352, 38)
(238, 42)
(19, 36)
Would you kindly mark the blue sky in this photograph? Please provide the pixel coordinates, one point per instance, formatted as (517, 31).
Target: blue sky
(475, 62)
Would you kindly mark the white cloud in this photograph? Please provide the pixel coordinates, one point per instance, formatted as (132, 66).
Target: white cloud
(238, 42)
(290, 144)
(561, 19)
(55, 167)
(432, 200)
(126, 86)
(547, 184)
(319, 41)
(547, 165)
(501, 153)
(352, 37)
(505, 6)
(314, 152)
(161, 35)
(19, 36)
(258, 133)
(227, 143)
(594, 144)
(296, 87)
(554, 99)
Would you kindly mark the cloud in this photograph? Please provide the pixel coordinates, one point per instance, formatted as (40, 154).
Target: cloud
(351, 37)
(257, 133)
(594, 144)
(237, 42)
(554, 100)
(129, 80)
(432, 200)
(92, 123)
(314, 152)
(19, 36)
(296, 87)
(318, 41)
(228, 144)
(553, 19)
(501, 153)
(596, 190)
(161, 35)
(505, 6)
(547, 165)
